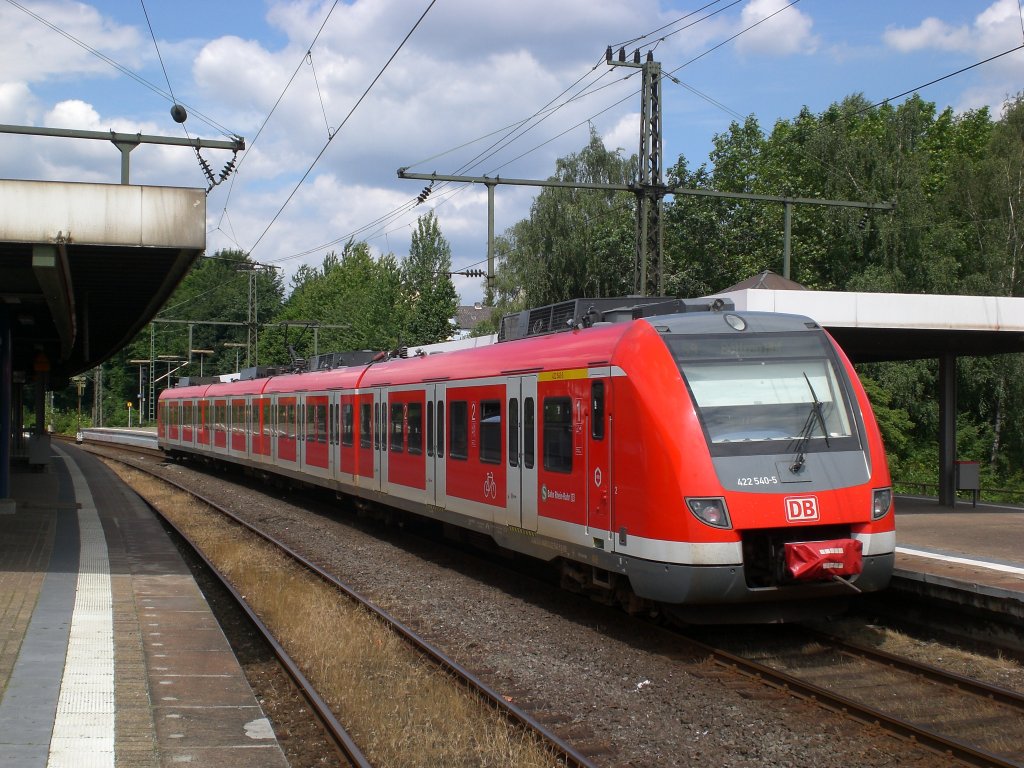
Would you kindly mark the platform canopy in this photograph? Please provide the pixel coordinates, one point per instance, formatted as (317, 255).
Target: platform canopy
(83, 267)
(876, 327)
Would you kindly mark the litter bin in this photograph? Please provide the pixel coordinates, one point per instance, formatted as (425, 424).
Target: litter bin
(968, 478)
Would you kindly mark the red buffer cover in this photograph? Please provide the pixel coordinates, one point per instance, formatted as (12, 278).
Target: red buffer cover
(812, 560)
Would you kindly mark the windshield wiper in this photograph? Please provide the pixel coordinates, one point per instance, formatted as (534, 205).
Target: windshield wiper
(806, 432)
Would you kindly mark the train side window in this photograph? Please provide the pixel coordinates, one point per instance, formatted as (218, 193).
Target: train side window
(529, 439)
(347, 425)
(440, 429)
(365, 425)
(513, 432)
(458, 428)
(396, 427)
(430, 428)
(414, 422)
(597, 416)
(288, 425)
(490, 431)
(557, 434)
(376, 426)
(316, 423)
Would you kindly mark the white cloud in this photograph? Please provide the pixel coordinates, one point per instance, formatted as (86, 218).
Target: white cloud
(930, 33)
(784, 34)
(446, 102)
(995, 29)
(33, 52)
(624, 135)
(17, 105)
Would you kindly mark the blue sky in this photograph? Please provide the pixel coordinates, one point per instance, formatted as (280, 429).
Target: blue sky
(469, 69)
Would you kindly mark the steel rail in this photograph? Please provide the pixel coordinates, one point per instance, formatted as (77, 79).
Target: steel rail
(565, 753)
(979, 688)
(945, 745)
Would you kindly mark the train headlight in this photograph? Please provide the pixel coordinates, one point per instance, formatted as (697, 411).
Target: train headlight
(710, 511)
(881, 503)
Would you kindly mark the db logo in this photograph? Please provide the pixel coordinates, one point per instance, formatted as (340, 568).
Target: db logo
(800, 509)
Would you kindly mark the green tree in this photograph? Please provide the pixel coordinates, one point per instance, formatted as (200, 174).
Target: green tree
(575, 243)
(426, 282)
(216, 290)
(353, 291)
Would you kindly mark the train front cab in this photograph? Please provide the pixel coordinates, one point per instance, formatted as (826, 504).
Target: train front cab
(771, 442)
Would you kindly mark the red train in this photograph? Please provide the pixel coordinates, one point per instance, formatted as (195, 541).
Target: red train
(679, 454)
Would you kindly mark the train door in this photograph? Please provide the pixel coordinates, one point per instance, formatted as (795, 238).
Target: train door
(366, 453)
(435, 444)
(380, 439)
(597, 438)
(521, 486)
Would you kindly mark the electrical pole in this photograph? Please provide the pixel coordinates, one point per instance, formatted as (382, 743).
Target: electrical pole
(649, 188)
(648, 270)
(252, 331)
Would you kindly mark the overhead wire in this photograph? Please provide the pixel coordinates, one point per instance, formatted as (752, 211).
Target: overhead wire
(516, 130)
(157, 46)
(277, 103)
(342, 124)
(121, 68)
(940, 79)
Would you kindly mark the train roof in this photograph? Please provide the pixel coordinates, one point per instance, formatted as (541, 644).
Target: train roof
(586, 347)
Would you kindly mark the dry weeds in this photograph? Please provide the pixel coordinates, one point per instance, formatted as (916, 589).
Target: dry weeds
(400, 709)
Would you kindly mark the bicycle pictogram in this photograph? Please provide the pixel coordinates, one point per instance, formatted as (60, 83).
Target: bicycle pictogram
(490, 486)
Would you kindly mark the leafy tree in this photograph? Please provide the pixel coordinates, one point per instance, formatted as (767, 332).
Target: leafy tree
(426, 282)
(351, 290)
(575, 243)
(216, 290)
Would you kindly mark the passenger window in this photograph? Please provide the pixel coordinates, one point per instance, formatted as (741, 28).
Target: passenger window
(415, 424)
(513, 432)
(557, 434)
(529, 439)
(396, 427)
(376, 426)
(440, 429)
(459, 429)
(365, 425)
(430, 428)
(597, 418)
(316, 423)
(490, 431)
(347, 425)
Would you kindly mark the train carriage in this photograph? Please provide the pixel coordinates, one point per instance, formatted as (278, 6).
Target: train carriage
(697, 459)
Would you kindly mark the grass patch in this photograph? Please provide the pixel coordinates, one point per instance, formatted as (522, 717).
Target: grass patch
(399, 708)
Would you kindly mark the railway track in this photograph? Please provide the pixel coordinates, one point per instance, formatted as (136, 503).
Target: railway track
(561, 753)
(876, 691)
(976, 722)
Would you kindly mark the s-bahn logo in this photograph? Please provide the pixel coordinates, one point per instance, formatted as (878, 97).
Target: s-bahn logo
(801, 509)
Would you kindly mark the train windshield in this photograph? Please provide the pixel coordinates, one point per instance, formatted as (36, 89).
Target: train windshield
(767, 387)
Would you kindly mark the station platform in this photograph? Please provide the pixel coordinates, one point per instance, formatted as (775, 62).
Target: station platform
(969, 555)
(109, 653)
